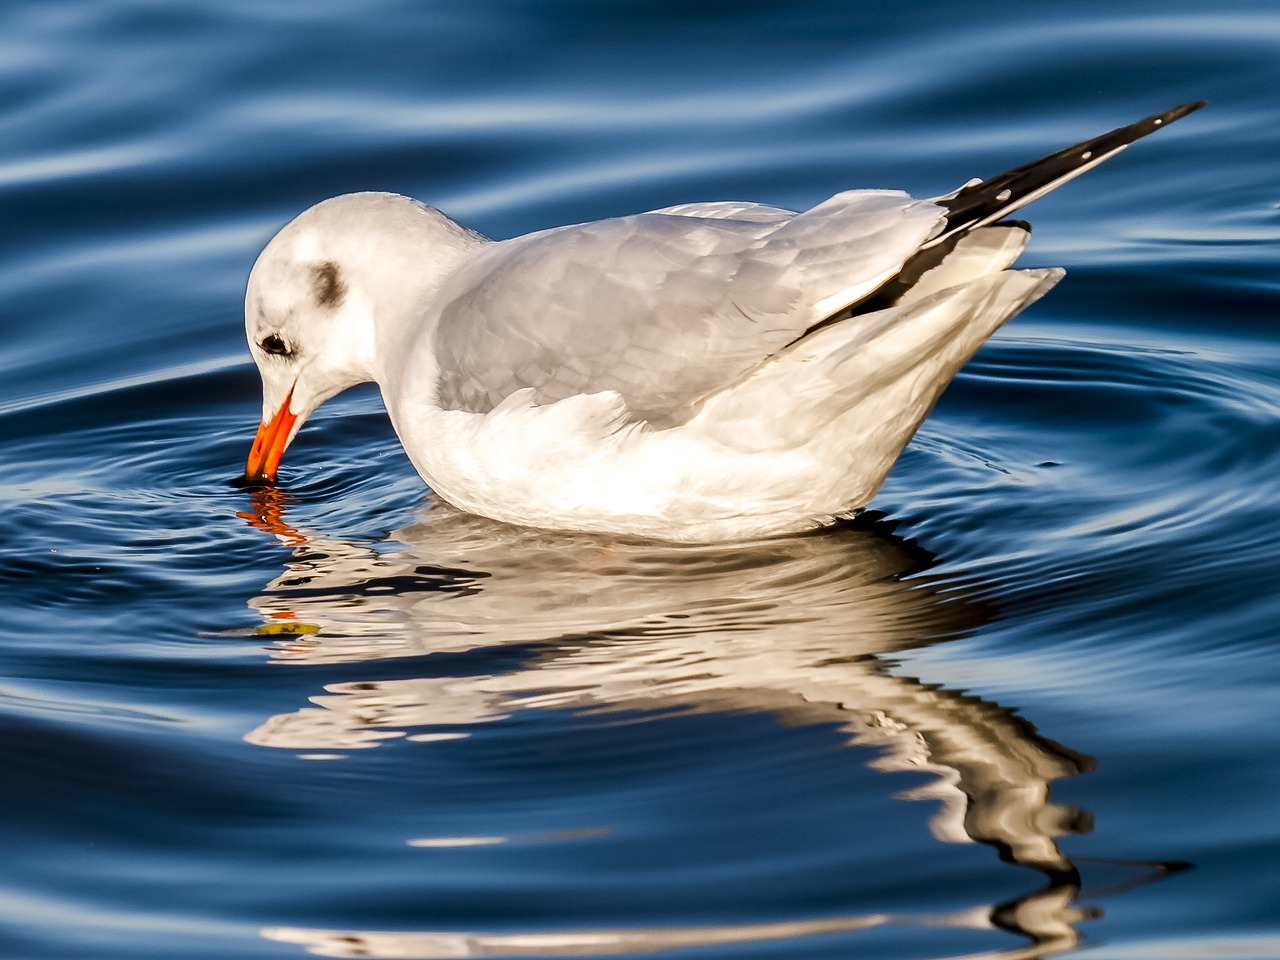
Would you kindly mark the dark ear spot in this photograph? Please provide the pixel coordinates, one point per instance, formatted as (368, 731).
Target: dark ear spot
(327, 284)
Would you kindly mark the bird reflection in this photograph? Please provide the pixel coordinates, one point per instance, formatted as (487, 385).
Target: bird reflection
(797, 627)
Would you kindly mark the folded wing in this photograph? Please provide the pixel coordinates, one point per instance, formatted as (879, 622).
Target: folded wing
(664, 308)
(668, 307)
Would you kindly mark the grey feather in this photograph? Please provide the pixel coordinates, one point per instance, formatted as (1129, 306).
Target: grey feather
(623, 304)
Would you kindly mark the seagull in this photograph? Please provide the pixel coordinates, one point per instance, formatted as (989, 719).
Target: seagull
(706, 372)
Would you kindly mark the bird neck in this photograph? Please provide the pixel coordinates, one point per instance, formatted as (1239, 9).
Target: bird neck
(406, 308)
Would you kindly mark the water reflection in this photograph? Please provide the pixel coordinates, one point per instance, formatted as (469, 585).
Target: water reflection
(796, 627)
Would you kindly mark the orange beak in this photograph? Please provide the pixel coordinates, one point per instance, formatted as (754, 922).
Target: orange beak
(268, 445)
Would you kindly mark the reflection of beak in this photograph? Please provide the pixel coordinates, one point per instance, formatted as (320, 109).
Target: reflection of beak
(268, 508)
(268, 445)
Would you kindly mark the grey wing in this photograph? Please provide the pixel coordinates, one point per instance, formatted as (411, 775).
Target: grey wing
(663, 308)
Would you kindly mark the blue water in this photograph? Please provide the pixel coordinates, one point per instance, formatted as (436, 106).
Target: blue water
(999, 715)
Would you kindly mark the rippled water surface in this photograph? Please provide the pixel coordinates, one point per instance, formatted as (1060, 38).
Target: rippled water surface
(1027, 706)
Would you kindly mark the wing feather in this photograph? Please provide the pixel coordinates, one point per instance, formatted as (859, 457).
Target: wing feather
(729, 210)
(664, 308)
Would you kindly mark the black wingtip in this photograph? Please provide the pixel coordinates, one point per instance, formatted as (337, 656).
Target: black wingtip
(1157, 120)
(1177, 113)
(998, 196)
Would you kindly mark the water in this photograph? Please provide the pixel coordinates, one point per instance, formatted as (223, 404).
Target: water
(1000, 715)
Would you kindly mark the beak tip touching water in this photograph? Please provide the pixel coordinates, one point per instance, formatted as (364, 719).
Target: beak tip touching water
(269, 445)
(260, 469)
(248, 481)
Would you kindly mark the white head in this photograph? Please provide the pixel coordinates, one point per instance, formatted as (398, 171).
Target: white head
(316, 296)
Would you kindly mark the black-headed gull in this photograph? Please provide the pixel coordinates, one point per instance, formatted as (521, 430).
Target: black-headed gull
(703, 372)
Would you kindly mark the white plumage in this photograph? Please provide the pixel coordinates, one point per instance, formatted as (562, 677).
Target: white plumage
(708, 371)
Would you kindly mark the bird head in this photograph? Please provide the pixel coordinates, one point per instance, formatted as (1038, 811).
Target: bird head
(317, 292)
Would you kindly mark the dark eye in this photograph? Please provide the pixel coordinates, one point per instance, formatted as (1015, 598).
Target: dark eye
(274, 344)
